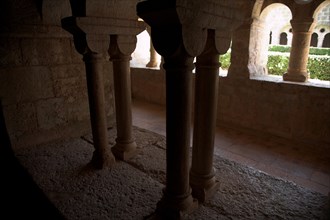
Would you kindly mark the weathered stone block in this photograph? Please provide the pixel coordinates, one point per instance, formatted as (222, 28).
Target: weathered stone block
(20, 119)
(50, 113)
(25, 84)
(46, 51)
(10, 52)
(66, 71)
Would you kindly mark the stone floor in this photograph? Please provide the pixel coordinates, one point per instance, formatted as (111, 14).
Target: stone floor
(260, 178)
(303, 165)
(132, 189)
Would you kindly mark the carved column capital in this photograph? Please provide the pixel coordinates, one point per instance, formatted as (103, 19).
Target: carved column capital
(304, 26)
(222, 41)
(121, 47)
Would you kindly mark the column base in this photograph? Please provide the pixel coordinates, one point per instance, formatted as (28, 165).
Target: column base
(204, 193)
(296, 77)
(203, 187)
(175, 207)
(102, 161)
(124, 151)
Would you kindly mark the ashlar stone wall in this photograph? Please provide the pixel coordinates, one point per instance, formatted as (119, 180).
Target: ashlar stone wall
(42, 78)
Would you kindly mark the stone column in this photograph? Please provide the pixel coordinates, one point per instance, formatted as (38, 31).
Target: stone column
(177, 198)
(301, 37)
(258, 48)
(202, 178)
(92, 51)
(239, 67)
(102, 156)
(120, 54)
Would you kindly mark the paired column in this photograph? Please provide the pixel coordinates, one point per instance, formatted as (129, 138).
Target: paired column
(301, 37)
(120, 55)
(202, 177)
(102, 156)
(92, 46)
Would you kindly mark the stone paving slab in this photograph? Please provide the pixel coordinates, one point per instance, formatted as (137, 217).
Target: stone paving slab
(132, 189)
(81, 193)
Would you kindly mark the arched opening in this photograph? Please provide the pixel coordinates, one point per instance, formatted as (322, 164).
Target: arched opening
(272, 26)
(314, 40)
(326, 41)
(283, 38)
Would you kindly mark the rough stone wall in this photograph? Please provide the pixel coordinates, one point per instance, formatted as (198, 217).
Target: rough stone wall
(149, 85)
(42, 77)
(298, 112)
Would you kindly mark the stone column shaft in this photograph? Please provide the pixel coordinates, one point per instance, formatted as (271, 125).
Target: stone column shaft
(102, 156)
(125, 146)
(202, 178)
(177, 197)
(301, 37)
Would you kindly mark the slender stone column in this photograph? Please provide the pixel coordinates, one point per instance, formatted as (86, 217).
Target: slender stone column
(301, 37)
(125, 146)
(202, 178)
(258, 48)
(177, 198)
(102, 156)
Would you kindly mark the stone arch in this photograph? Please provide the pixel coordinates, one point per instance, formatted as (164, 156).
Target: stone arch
(321, 15)
(314, 40)
(321, 6)
(262, 17)
(275, 16)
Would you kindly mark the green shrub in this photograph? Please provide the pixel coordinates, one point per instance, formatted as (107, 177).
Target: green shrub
(279, 48)
(225, 60)
(319, 68)
(319, 51)
(277, 64)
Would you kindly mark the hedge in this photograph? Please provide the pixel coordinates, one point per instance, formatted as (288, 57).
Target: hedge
(317, 66)
(312, 50)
